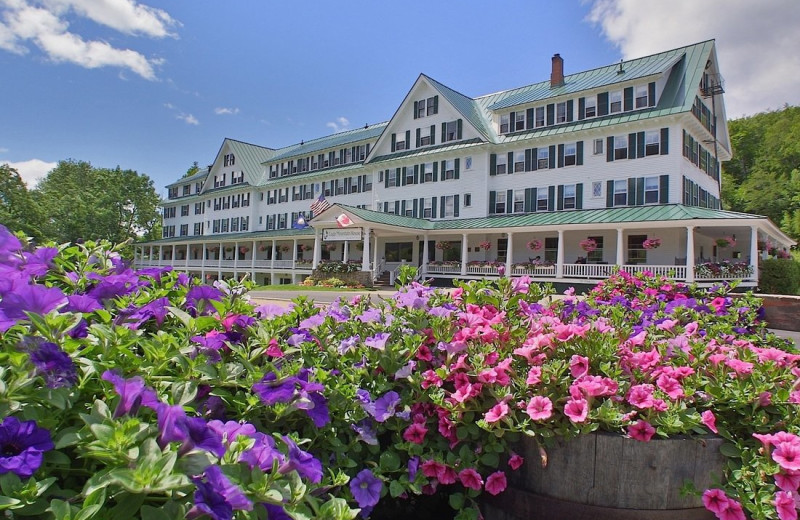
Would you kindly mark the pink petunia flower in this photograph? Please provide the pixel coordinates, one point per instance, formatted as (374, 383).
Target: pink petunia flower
(578, 366)
(497, 412)
(641, 431)
(715, 500)
(534, 376)
(577, 410)
(641, 396)
(515, 461)
(470, 479)
(670, 386)
(787, 455)
(709, 420)
(785, 505)
(415, 433)
(496, 483)
(788, 480)
(539, 408)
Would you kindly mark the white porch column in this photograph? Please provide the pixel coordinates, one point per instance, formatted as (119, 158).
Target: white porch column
(345, 250)
(235, 258)
(294, 252)
(253, 262)
(219, 260)
(365, 250)
(560, 255)
(272, 258)
(160, 254)
(317, 248)
(509, 254)
(463, 254)
(375, 266)
(423, 269)
(690, 254)
(620, 248)
(203, 255)
(186, 264)
(754, 251)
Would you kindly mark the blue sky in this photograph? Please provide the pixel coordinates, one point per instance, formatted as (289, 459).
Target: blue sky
(154, 85)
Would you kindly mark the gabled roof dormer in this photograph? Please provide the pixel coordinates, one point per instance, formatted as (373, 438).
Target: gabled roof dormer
(236, 163)
(431, 115)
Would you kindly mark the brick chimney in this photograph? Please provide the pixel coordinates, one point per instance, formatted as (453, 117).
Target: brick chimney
(557, 75)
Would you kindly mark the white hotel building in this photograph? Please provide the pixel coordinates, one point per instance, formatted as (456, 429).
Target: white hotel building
(460, 186)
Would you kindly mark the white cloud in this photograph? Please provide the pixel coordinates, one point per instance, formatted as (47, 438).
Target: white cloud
(45, 26)
(757, 42)
(189, 119)
(33, 170)
(3, 150)
(340, 124)
(220, 111)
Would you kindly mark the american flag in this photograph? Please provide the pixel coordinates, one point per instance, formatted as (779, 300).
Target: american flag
(319, 205)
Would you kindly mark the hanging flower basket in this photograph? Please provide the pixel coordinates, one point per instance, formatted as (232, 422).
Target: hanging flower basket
(652, 243)
(213, 249)
(725, 242)
(244, 250)
(444, 245)
(304, 247)
(262, 247)
(228, 249)
(330, 247)
(588, 245)
(284, 249)
(359, 246)
(535, 244)
(485, 245)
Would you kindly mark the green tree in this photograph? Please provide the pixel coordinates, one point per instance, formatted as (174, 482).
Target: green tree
(97, 203)
(194, 168)
(19, 210)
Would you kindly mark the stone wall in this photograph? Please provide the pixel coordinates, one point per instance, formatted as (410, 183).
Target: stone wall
(358, 277)
(782, 312)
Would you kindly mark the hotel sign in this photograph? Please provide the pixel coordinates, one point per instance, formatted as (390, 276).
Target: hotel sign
(331, 235)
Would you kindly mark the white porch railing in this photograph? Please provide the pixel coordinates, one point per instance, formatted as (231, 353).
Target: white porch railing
(482, 269)
(444, 269)
(672, 271)
(539, 271)
(588, 270)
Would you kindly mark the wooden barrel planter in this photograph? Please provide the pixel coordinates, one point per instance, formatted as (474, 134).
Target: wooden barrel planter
(608, 476)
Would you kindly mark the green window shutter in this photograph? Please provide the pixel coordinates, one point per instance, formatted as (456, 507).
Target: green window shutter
(441, 207)
(444, 168)
(570, 109)
(512, 126)
(640, 145)
(528, 199)
(394, 144)
(529, 119)
(366, 152)
(551, 114)
(579, 196)
(610, 148)
(561, 156)
(627, 96)
(444, 132)
(386, 207)
(610, 194)
(418, 136)
(397, 207)
(579, 153)
(408, 139)
(403, 207)
(640, 191)
(534, 159)
(400, 175)
(534, 201)
(560, 199)
(433, 134)
(415, 209)
(510, 163)
(631, 191)
(509, 201)
(528, 160)
(386, 179)
(417, 179)
(457, 167)
(459, 125)
(581, 109)
(433, 207)
(663, 189)
(602, 104)
(435, 171)
(651, 94)
(455, 205)
(552, 155)
(435, 104)
(551, 198)
(492, 201)
(631, 146)
(665, 141)
(415, 109)
(493, 164)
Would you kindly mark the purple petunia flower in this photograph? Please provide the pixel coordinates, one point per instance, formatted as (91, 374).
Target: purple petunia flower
(413, 467)
(378, 341)
(21, 446)
(8, 242)
(228, 431)
(38, 262)
(272, 391)
(191, 432)
(318, 409)
(348, 344)
(366, 488)
(263, 454)
(406, 370)
(198, 297)
(217, 497)
(366, 432)
(369, 315)
(133, 318)
(385, 406)
(301, 461)
(82, 303)
(132, 392)
(54, 365)
(22, 298)
(312, 321)
(275, 512)
(271, 310)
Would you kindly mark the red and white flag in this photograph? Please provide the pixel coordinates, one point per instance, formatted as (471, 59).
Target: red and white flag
(343, 221)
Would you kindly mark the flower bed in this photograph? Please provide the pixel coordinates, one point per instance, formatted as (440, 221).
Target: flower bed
(723, 269)
(148, 392)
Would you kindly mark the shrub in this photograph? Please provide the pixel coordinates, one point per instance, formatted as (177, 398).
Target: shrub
(333, 282)
(308, 282)
(779, 276)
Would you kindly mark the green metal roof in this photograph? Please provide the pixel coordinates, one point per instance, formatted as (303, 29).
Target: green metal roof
(330, 141)
(644, 214)
(249, 158)
(429, 149)
(307, 176)
(466, 106)
(192, 178)
(251, 235)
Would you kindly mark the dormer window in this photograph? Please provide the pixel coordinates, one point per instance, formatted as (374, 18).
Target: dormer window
(641, 96)
(539, 118)
(400, 145)
(591, 107)
(420, 108)
(615, 102)
(504, 123)
(561, 112)
(229, 159)
(426, 107)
